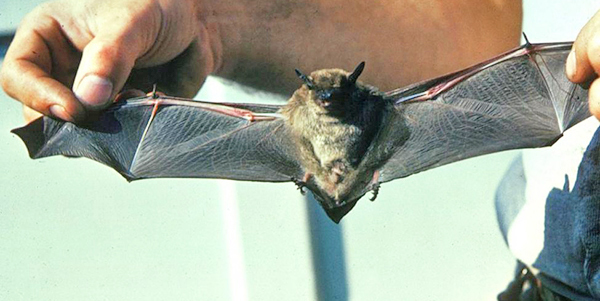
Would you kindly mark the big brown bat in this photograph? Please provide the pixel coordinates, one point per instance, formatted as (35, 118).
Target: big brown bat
(334, 120)
(336, 136)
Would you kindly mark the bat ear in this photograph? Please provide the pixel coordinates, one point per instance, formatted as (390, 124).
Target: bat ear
(356, 73)
(309, 83)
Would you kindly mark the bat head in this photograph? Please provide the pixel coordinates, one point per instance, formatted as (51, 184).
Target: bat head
(332, 89)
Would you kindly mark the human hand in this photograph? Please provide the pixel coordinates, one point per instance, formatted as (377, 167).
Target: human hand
(583, 63)
(93, 46)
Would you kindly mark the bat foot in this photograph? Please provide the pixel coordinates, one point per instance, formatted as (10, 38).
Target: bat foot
(301, 183)
(375, 189)
(301, 188)
(375, 184)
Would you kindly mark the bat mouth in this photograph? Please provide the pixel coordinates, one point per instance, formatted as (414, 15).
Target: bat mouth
(330, 98)
(324, 103)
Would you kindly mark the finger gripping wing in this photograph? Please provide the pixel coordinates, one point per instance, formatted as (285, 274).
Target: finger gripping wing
(176, 138)
(517, 100)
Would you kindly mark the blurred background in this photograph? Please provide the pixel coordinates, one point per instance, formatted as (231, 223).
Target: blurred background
(73, 229)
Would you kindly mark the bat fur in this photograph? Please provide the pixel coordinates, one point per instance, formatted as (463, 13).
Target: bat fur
(336, 136)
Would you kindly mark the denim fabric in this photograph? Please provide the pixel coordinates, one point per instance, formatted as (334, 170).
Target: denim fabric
(5, 39)
(569, 262)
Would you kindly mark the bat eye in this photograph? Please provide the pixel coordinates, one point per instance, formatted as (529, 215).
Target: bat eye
(330, 94)
(324, 95)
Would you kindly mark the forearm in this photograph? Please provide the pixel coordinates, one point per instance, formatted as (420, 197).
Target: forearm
(71, 57)
(259, 43)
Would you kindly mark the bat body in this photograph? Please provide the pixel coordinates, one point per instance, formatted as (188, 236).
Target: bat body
(334, 121)
(336, 136)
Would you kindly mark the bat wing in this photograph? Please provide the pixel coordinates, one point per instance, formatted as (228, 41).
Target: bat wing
(152, 137)
(520, 99)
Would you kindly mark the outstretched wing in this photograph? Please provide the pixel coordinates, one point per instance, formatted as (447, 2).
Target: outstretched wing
(520, 99)
(152, 137)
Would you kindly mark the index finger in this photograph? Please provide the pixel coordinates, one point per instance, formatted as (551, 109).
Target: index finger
(583, 62)
(27, 70)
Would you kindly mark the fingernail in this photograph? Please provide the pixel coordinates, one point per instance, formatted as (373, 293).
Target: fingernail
(571, 64)
(94, 90)
(60, 112)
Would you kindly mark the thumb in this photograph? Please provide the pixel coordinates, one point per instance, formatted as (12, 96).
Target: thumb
(105, 65)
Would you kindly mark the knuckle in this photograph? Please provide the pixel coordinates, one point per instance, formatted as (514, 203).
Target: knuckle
(39, 103)
(139, 12)
(35, 13)
(142, 27)
(593, 49)
(106, 51)
(43, 9)
(5, 79)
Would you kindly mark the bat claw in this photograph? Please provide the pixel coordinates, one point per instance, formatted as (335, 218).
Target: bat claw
(302, 191)
(155, 94)
(375, 189)
(375, 184)
(300, 185)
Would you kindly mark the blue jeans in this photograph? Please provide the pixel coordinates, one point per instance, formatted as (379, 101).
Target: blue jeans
(569, 263)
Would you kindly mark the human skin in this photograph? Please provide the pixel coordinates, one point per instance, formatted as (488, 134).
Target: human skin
(69, 58)
(583, 63)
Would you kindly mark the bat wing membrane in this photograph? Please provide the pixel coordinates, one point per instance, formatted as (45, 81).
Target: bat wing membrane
(181, 140)
(520, 99)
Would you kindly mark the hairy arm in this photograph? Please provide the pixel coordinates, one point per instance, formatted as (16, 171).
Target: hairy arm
(70, 57)
(401, 41)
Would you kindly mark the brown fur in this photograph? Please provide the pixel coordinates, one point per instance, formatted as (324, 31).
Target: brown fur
(332, 141)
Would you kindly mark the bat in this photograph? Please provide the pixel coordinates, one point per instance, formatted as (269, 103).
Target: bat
(336, 136)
